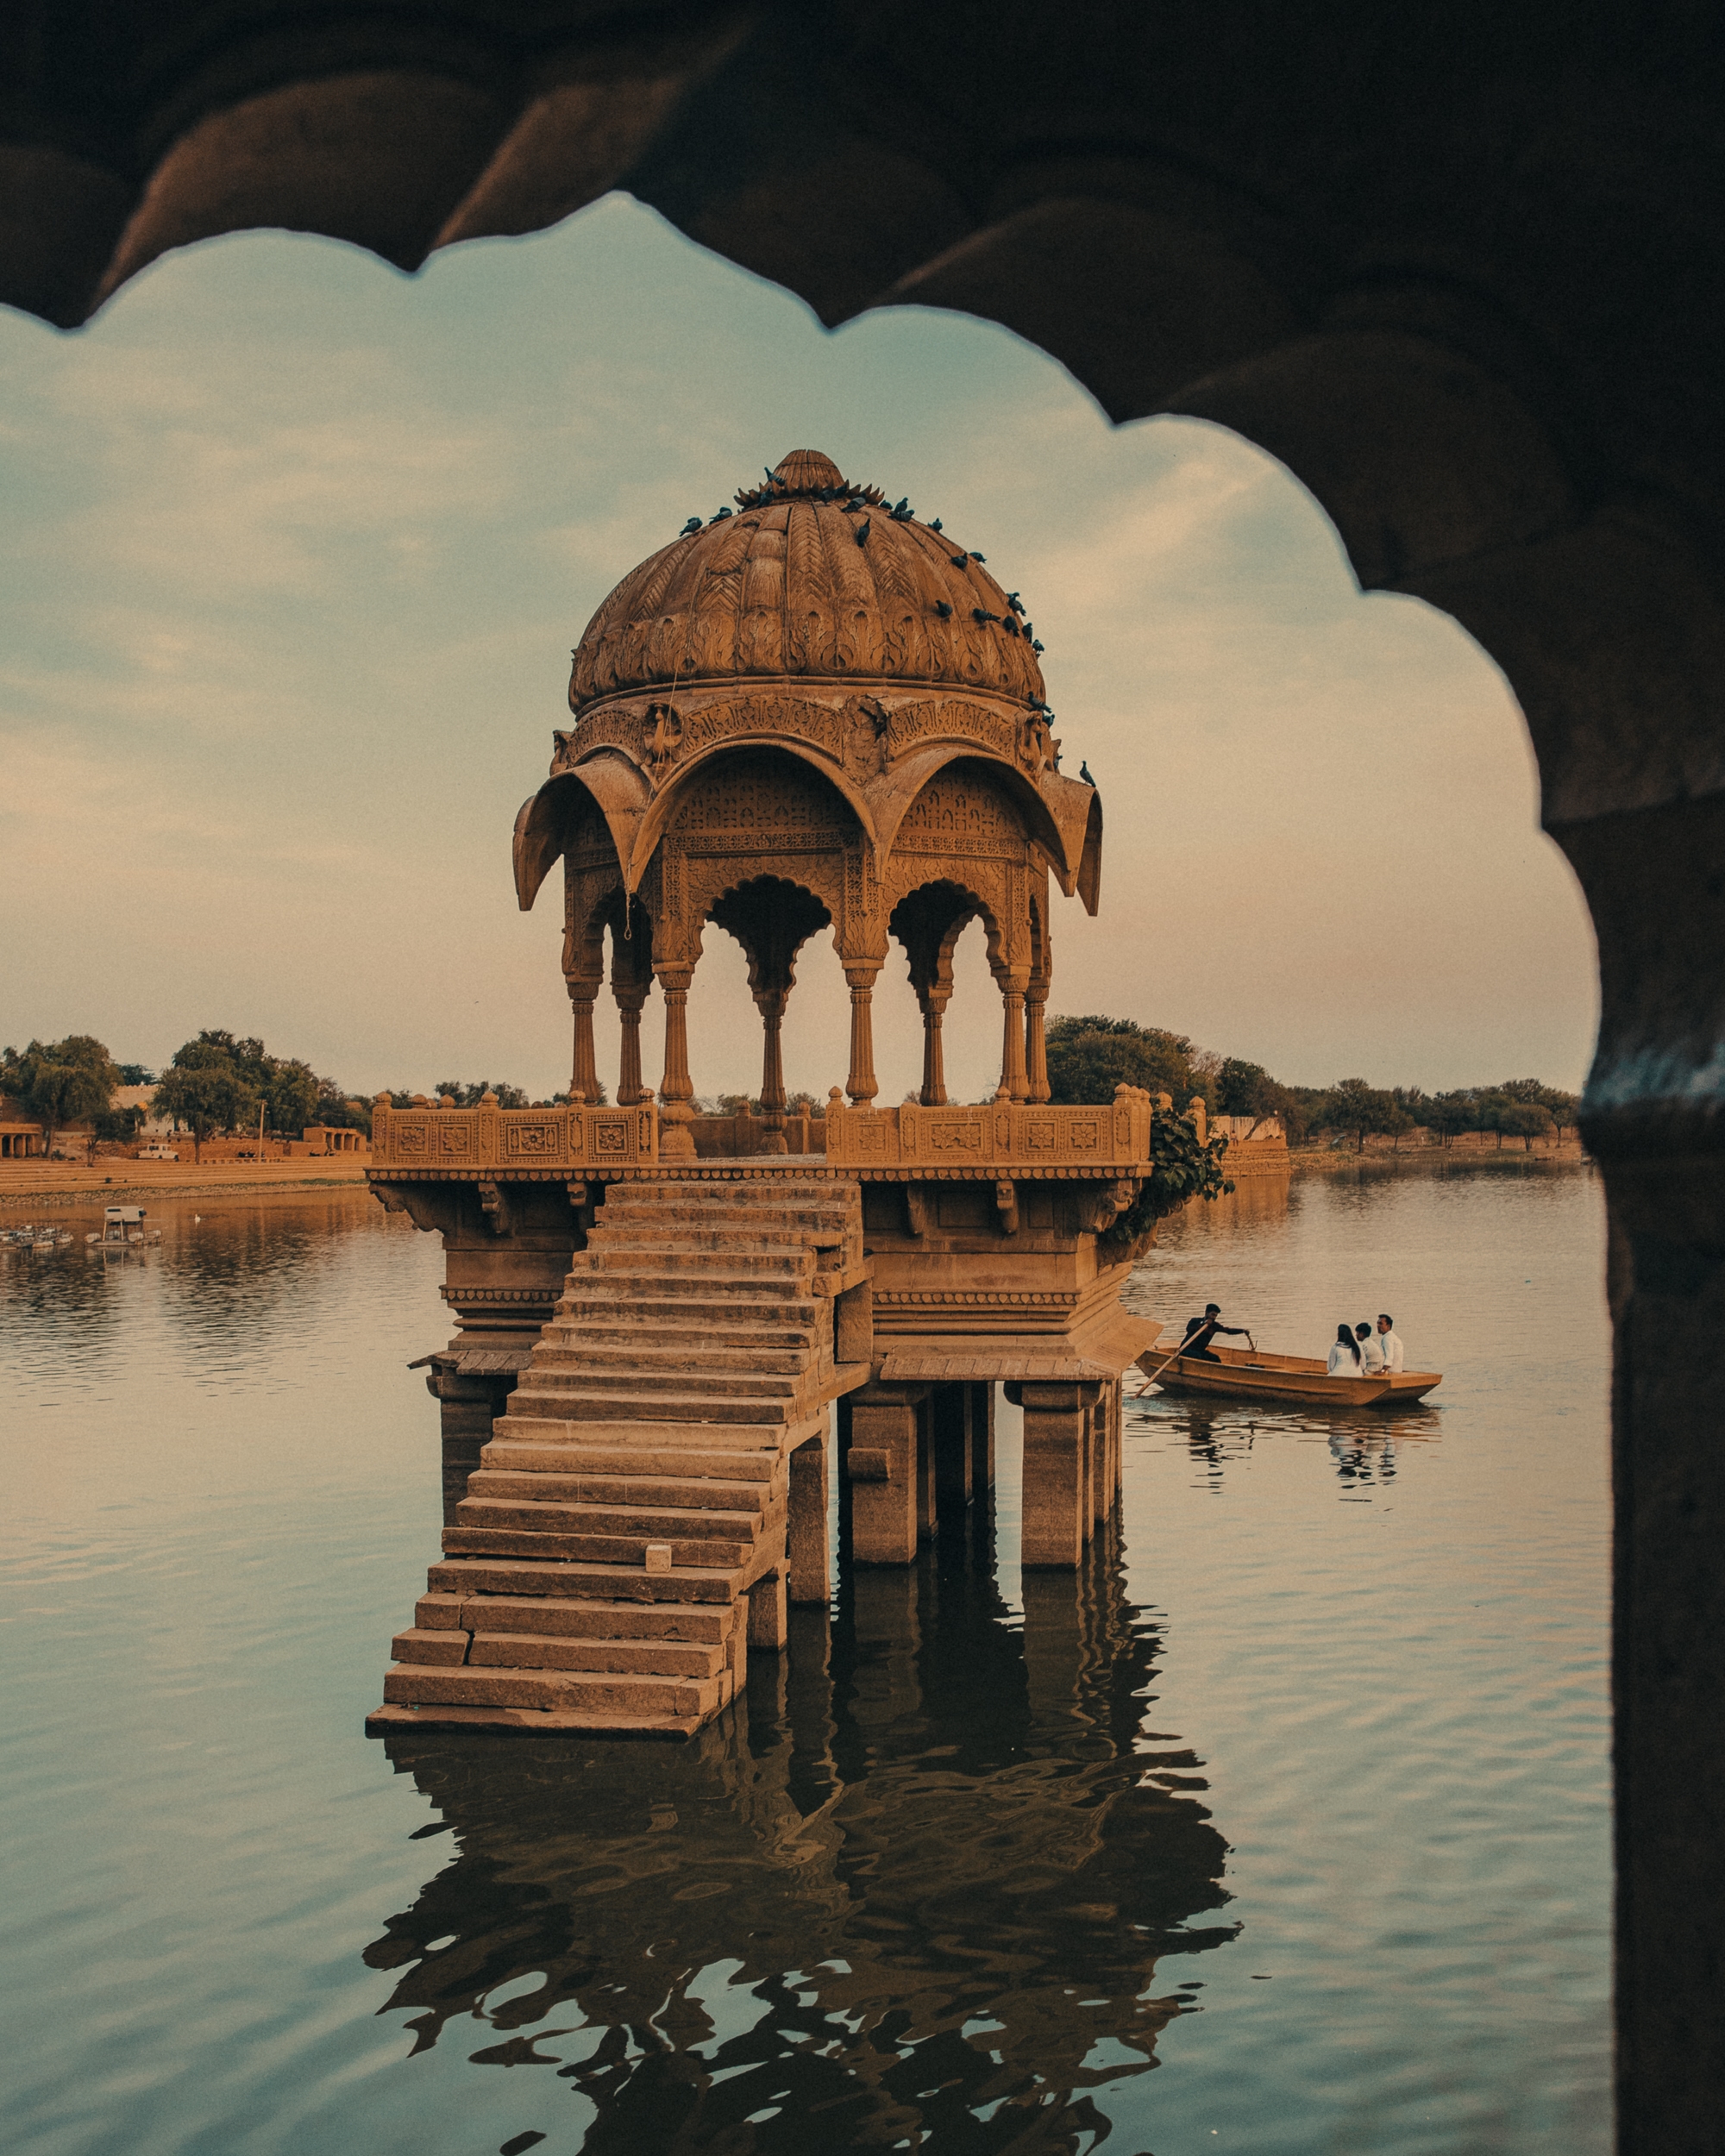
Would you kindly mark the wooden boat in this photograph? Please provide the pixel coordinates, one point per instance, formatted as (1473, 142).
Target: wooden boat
(1295, 1380)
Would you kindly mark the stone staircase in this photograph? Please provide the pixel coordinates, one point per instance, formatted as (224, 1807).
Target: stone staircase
(598, 1574)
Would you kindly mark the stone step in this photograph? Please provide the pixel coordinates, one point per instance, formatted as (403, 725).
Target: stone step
(544, 1651)
(725, 1258)
(552, 1650)
(620, 1323)
(534, 1722)
(711, 1290)
(626, 1376)
(501, 1575)
(684, 1433)
(693, 1551)
(571, 1617)
(565, 1403)
(507, 1453)
(656, 1354)
(680, 1302)
(591, 1692)
(645, 1523)
(655, 1492)
(762, 1231)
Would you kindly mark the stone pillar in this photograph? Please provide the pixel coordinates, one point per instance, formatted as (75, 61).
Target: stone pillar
(768, 1616)
(1013, 1085)
(772, 1009)
(1036, 1047)
(468, 1405)
(949, 1412)
(629, 995)
(880, 1468)
(810, 1578)
(982, 1437)
(860, 1085)
(926, 1507)
(1056, 1469)
(583, 1070)
(933, 1094)
(676, 1140)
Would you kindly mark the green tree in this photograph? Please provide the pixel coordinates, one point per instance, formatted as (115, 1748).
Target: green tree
(63, 1082)
(209, 1087)
(466, 1096)
(292, 1092)
(136, 1074)
(1525, 1119)
(1359, 1110)
(1181, 1168)
(1087, 1057)
(1450, 1113)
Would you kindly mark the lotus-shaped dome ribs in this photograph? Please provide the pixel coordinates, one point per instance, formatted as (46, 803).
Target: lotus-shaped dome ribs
(811, 577)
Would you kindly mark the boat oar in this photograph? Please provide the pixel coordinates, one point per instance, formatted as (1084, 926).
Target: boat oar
(1175, 1357)
(1156, 1372)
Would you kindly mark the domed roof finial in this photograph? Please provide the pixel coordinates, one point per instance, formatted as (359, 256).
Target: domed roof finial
(806, 471)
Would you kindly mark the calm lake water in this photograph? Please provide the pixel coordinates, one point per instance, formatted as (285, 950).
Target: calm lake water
(1283, 1828)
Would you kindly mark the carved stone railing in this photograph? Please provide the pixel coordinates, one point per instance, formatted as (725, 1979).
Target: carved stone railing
(514, 1143)
(995, 1138)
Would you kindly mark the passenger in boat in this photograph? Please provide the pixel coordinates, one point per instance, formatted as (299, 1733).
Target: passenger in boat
(1344, 1357)
(1389, 1341)
(1200, 1332)
(1371, 1355)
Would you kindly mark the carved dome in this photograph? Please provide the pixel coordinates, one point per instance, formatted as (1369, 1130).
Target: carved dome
(812, 579)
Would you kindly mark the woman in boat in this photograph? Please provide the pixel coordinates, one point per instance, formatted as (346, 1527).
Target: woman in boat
(1344, 1357)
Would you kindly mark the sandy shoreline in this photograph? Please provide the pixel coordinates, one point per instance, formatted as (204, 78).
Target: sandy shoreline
(37, 1185)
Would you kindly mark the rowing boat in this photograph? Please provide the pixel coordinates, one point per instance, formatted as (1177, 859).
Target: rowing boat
(1247, 1374)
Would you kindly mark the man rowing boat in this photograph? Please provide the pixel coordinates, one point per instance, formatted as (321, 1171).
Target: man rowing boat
(1200, 1332)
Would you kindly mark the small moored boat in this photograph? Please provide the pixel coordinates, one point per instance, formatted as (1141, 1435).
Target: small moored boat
(1297, 1379)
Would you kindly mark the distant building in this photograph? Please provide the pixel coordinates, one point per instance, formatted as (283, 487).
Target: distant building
(19, 1141)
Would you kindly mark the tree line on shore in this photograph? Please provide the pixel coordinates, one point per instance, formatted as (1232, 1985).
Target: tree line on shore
(218, 1084)
(1087, 1057)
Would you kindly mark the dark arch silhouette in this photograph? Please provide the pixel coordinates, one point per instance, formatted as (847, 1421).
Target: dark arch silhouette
(1459, 269)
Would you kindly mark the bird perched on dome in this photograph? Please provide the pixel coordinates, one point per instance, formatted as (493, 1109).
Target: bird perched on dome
(694, 524)
(862, 531)
(943, 609)
(1084, 774)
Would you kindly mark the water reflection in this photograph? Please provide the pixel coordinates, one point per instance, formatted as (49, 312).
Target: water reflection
(921, 1886)
(1363, 1442)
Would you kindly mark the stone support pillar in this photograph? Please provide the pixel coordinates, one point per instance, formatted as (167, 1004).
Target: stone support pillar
(927, 1511)
(1057, 1432)
(1036, 1047)
(772, 1009)
(676, 1139)
(468, 1405)
(933, 1094)
(981, 1437)
(583, 1070)
(769, 1615)
(810, 1576)
(881, 1467)
(860, 1085)
(1013, 1084)
(630, 995)
(949, 1413)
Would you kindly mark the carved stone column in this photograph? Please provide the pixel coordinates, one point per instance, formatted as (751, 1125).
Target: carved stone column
(1013, 1085)
(772, 1009)
(861, 1084)
(583, 1070)
(676, 1139)
(1036, 1048)
(933, 1095)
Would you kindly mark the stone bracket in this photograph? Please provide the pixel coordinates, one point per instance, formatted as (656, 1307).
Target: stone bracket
(494, 1208)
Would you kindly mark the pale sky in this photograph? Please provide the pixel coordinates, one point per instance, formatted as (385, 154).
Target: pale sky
(296, 549)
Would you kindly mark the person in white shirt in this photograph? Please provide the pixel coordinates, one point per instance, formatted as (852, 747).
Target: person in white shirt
(1344, 1356)
(1371, 1355)
(1389, 1341)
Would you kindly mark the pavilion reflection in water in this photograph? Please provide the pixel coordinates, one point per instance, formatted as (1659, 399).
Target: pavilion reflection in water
(921, 1886)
